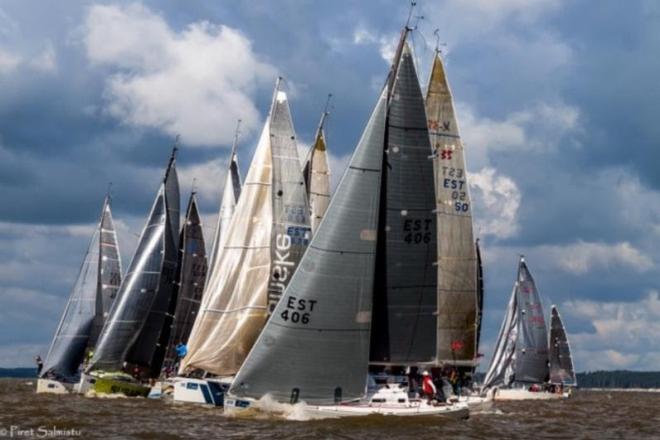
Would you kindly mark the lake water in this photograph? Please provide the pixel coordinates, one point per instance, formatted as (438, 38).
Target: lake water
(586, 415)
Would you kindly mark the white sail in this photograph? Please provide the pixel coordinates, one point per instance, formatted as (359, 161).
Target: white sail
(263, 244)
(457, 259)
(230, 195)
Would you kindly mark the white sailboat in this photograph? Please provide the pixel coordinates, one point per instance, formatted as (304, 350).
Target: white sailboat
(371, 259)
(265, 239)
(519, 369)
(92, 295)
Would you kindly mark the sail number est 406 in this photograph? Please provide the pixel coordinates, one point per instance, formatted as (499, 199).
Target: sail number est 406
(298, 310)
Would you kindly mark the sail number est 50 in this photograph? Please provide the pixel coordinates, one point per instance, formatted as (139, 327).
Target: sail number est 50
(298, 310)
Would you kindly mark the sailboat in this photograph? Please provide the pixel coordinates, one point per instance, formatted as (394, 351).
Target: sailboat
(317, 174)
(562, 373)
(366, 288)
(185, 304)
(230, 194)
(519, 369)
(129, 348)
(264, 242)
(92, 295)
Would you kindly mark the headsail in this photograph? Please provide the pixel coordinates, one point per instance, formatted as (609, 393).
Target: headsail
(191, 279)
(317, 175)
(267, 235)
(561, 362)
(321, 324)
(457, 260)
(85, 304)
(405, 292)
(501, 369)
(137, 316)
(230, 195)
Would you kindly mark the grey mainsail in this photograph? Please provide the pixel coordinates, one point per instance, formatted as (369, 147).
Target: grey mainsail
(192, 277)
(405, 293)
(457, 293)
(109, 277)
(317, 175)
(561, 362)
(230, 194)
(521, 353)
(137, 317)
(317, 339)
(267, 235)
(85, 304)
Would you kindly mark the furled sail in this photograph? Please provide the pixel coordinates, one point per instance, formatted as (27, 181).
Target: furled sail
(316, 343)
(230, 195)
(521, 353)
(265, 240)
(457, 261)
(99, 274)
(137, 317)
(317, 176)
(561, 362)
(404, 320)
(109, 277)
(192, 277)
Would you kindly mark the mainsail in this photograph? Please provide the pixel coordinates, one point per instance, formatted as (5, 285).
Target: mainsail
(561, 362)
(317, 176)
(137, 317)
(192, 276)
(457, 293)
(94, 289)
(521, 353)
(405, 292)
(265, 240)
(317, 340)
(230, 195)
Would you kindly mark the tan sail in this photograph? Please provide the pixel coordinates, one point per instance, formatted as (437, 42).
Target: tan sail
(265, 240)
(457, 260)
(317, 173)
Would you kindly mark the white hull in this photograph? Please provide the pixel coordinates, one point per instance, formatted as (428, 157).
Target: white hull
(477, 403)
(53, 387)
(202, 391)
(247, 407)
(162, 389)
(523, 394)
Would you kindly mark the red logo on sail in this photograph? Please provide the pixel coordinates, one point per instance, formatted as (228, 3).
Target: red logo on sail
(457, 345)
(446, 154)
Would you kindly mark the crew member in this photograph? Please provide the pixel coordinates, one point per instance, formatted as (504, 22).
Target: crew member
(428, 387)
(40, 364)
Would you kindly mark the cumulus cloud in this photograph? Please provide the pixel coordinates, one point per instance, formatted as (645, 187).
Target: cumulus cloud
(625, 336)
(386, 42)
(582, 257)
(196, 82)
(496, 201)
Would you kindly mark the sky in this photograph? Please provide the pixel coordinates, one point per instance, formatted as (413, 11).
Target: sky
(557, 103)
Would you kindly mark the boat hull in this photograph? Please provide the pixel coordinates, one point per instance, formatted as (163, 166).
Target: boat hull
(103, 383)
(201, 391)
(501, 395)
(246, 407)
(477, 403)
(50, 386)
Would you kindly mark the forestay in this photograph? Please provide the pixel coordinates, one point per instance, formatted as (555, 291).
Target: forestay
(264, 242)
(457, 294)
(405, 292)
(137, 316)
(316, 344)
(561, 362)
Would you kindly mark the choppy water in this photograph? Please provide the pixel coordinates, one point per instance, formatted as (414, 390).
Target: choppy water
(587, 415)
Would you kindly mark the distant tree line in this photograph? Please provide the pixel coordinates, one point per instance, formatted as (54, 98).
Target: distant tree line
(619, 379)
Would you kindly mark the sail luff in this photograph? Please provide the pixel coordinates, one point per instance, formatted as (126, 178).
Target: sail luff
(322, 323)
(457, 296)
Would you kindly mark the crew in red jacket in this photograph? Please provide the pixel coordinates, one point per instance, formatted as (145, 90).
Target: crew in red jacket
(428, 387)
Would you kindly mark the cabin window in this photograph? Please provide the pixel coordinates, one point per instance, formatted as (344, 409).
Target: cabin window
(192, 386)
